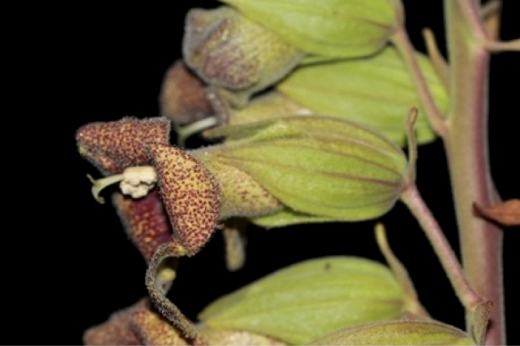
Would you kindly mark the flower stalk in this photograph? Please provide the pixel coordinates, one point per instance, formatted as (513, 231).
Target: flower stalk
(404, 46)
(468, 157)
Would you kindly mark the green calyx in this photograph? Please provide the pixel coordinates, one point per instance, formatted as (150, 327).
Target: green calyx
(334, 28)
(398, 333)
(373, 91)
(310, 299)
(316, 166)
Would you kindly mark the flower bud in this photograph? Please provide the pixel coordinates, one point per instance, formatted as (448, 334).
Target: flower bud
(310, 299)
(372, 91)
(183, 96)
(339, 28)
(232, 52)
(398, 333)
(316, 166)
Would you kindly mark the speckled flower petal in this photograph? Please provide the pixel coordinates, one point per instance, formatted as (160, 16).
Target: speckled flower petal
(153, 329)
(145, 221)
(190, 194)
(121, 143)
(138, 324)
(116, 330)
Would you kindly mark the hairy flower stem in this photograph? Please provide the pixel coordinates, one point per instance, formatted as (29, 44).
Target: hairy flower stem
(468, 158)
(158, 285)
(413, 200)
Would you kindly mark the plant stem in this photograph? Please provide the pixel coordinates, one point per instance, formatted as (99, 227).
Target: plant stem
(157, 288)
(467, 149)
(438, 62)
(436, 118)
(413, 200)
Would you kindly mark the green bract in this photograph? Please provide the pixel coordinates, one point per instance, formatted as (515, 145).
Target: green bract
(373, 91)
(398, 333)
(307, 300)
(316, 166)
(335, 28)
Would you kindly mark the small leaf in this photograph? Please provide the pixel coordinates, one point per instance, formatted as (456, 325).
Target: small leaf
(374, 91)
(310, 299)
(398, 333)
(338, 28)
(479, 320)
(506, 213)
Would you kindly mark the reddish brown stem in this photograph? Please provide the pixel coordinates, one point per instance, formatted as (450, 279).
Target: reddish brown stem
(467, 148)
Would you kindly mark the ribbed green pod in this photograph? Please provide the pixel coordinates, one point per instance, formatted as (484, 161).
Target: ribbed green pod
(375, 91)
(316, 166)
(398, 333)
(310, 299)
(333, 28)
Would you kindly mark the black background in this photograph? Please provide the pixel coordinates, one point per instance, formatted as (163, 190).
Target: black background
(68, 263)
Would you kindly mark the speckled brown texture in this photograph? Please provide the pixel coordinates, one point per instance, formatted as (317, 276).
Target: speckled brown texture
(153, 329)
(120, 144)
(105, 164)
(241, 195)
(145, 221)
(116, 330)
(138, 324)
(190, 194)
(183, 95)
